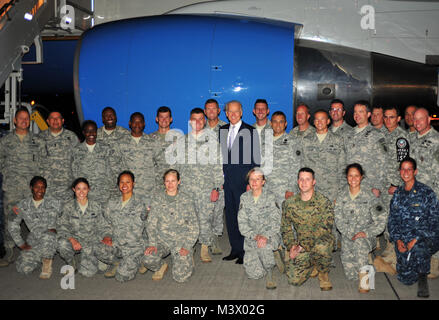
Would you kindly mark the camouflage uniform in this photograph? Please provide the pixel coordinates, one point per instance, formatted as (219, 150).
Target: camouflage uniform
(19, 163)
(414, 214)
(298, 135)
(38, 221)
(368, 148)
(88, 228)
(342, 130)
(141, 159)
(365, 213)
(287, 156)
(127, 226)
(95, 167)
(172, 224)
(313, 221)
(327, 159)
(113, 137)
(56, 157)
(201, 173)
(218, 216)
(263, 218)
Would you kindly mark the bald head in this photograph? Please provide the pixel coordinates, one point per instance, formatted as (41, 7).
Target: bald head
(421, 120)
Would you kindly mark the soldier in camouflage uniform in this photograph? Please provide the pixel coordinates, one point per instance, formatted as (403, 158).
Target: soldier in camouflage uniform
(110, 132)
(140, 155)
(39, 213)
(262, 124)
(259, 218)
(80, 227)
(366, 146)
(56, 147)
(408, 119)
(414, 227)
(19, 162)
(303, 128)
(287, 156)
(172, 229)
(91, 160)
(126, 215)
(202, 175)
(212, 111)
(425, 150)
(360, 217)
(310, 245)
(377, 119)
(337, 113)
(164, 120)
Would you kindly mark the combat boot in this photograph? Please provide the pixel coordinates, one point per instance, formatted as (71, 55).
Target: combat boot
(314, 272)
(279, 260)
(325, 283)
(434, 268)
(102, 267)
(363, 284)
(111, 273)
(142, 268)
(270, 282)
(216, 249)
(158, 275)
(8, 258)
(423, 291)
(46, 270)
(382, 266)
(204, 255)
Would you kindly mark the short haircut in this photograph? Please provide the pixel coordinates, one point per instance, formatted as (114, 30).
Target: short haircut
(255, 170)
(301, 104)
(408, 159)
(123, 173)
(108, 109)
(377, 107)
(337, 101)
(211, 101)
(363, 103)
(35, 179)
(164, 109)
(411, 105)
(279, 113)
(171, 171)
(53, 111)
(261, 101)
(306, 169)
(88, 123)
(78, 181)
(21, 109)
(233, 101)
(137, 114)
(398, 113)
(197, 111)
(323, 111)
(356, 166)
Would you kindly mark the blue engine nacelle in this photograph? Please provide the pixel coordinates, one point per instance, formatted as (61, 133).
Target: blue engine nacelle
(181, 61)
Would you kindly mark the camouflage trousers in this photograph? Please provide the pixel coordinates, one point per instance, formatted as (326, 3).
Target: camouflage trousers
(218, 215)
(208, 218)
(88, 261)
(299, 269)
(182, 266)
(354, 255)
(10, 199)
(257, 261)
(43, 247)
(411, 263)
(130, 259)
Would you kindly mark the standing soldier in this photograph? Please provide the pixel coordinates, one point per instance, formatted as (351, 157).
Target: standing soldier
(91, 160)
(408, 119)
(262, 124)
(304, 127)
(366, 146)
(172, 229)
(377, 119)
(19, 162)
(202, 174)
(212, 111)
(56, 147)
(337, 113)
(164, 120)
(39, 213)
(110, 132)
(310, 245)
(259, 219)
(425, 150)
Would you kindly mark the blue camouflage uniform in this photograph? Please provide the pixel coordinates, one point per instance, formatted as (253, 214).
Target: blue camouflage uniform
(414, 214)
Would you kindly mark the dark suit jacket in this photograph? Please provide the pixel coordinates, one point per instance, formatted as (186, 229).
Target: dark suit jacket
(244, 155)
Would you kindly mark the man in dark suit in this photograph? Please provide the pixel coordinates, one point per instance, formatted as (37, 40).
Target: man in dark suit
(241, 152)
